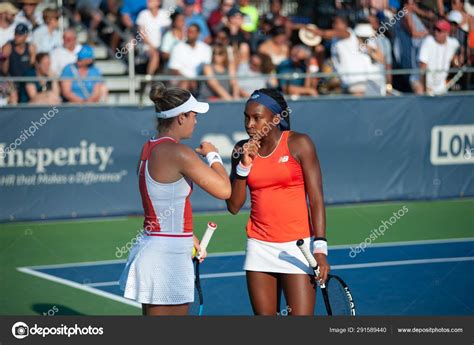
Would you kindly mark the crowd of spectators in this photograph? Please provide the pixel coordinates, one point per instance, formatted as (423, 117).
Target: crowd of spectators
(240, 45)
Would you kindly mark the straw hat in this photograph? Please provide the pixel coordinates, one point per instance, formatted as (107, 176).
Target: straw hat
(308, 37)
(7, 7)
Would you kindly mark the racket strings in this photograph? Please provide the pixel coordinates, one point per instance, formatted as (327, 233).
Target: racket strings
(338, 300)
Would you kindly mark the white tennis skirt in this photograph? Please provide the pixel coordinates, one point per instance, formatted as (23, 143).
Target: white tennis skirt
(160, 271)
(276, 257)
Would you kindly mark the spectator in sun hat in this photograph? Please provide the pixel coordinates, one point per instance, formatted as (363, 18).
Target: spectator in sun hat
(29, 14)
(82, 90)
(7, 28)
(437, 52)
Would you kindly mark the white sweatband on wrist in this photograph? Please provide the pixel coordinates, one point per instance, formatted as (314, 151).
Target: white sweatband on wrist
(320, 247)
(242, 170)
(213, 157)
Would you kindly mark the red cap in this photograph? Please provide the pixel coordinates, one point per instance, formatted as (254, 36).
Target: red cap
(443, 25)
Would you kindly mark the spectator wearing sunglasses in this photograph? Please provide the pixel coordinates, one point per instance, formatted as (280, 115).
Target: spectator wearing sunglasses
(225, 89)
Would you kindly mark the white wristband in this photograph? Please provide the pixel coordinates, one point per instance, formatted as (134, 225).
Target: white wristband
(242, 170)
(213, 157)
(320, 246)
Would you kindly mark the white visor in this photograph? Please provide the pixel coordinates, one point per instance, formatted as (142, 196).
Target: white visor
(190, 105)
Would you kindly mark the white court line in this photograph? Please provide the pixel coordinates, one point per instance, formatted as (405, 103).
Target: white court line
(407, 243)
(79, 264)
(238, 253)
(366, 265)
(116, 282)
(223, 275)
(393, 203)
(335, 268)
(79, 286)
(68, 221)
(402, 263)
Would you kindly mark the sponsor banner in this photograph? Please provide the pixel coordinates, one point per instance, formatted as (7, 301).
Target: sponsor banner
(67, 162)
(452, 145)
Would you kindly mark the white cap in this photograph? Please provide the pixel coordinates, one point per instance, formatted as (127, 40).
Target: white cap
(190, 105)
(364, 30)
(455, 16)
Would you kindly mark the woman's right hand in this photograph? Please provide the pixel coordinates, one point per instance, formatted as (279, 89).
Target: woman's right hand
(205, 148)
(250, 151)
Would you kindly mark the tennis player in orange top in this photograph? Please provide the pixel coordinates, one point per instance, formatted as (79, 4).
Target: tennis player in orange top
(281, 169)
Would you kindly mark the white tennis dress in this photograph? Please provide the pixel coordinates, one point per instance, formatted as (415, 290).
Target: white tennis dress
(159, 268)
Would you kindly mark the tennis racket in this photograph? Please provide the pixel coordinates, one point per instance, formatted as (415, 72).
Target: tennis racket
(336, 294)
(197, 307)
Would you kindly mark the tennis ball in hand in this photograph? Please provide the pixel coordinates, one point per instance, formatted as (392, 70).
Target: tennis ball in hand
(194, 252)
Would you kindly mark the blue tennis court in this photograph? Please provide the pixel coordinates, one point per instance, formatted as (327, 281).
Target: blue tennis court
(406, 278)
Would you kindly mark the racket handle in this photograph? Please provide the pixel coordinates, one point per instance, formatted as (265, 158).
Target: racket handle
(309, 257)
(211, 227)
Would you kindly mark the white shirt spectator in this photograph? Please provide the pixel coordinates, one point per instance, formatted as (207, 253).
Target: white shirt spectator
(45, 41)
(437, 56)
(7, 35)
(61, 57)
(347, 58)
(154, 26)
(189, 61)
(376, 78)
(169, 42)
(21, 18)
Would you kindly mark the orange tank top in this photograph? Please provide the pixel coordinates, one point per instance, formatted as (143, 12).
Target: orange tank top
(279, 212)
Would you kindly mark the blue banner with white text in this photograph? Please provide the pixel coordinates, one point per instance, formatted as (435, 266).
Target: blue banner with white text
(67, 162)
